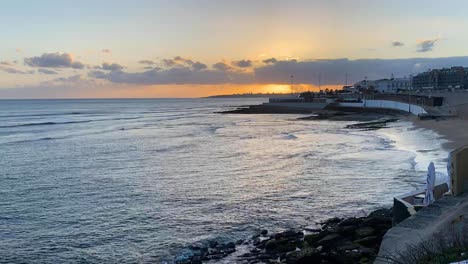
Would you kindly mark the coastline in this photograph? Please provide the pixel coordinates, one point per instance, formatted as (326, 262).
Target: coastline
(453, 129)
(343, 238)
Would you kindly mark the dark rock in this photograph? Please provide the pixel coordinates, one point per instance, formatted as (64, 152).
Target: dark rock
(212, 243)
(348, 246)
(329, 241)
(216, 256)
(347, 230)
(257, 242)
(353, 221)
(266, 256)
(364, 231)
(377, 220)
(280, 245)
(382, 212)
(264, 232)
(228, 245)
(228, 251)
(307, 255)
(314, 238)
(330, 222)
(255, 250)
(368, 251)
(370, 241)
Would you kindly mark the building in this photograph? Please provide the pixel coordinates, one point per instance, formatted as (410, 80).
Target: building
(446, 78)
(392, 85)
(365, 85)
(350, 89)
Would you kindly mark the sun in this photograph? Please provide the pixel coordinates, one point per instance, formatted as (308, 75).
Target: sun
(277, 88)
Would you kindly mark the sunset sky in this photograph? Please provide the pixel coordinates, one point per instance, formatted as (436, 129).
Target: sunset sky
(191, 48)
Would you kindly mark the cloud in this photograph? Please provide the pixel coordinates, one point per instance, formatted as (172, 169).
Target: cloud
(106, 51)
(333, 71)
(65, 87)
(183, 60)
(175, 75)
(110, 67)
(198, 66)
(168, 62)
(46, 71)
(270, 60)
(6, 63)
(397, 44)
(54, 60)
(242, 63)
(221, 66)
(15, 71)
(426, 45)
(147, 62)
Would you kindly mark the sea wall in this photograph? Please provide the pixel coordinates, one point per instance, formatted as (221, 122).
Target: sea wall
(298, 105)
(455, 102)
(385, 104)
(442, 219)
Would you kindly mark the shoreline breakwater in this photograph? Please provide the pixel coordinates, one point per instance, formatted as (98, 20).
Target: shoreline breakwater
(337, 240)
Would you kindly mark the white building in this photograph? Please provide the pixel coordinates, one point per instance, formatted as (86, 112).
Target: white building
(386, 85)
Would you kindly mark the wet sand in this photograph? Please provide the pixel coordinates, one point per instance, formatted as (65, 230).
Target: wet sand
(453, 129)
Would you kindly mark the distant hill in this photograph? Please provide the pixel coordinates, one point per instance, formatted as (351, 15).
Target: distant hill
(249, 95)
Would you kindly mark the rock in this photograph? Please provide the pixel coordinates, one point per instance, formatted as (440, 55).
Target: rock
(377, 220)
(307, 255)
(330, 222)
(382, 212)
(347, 230)
(371, 241)
(280, 245)
(314, 238)
(364, 231)
(353, 221)
(367, 251)
(212, 243)
(348, 246)
(216, 256)
(329, 240)
(228, 245)
(258, 242)
(264, 232)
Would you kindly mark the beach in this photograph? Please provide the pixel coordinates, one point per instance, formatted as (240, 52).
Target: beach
(453, 129)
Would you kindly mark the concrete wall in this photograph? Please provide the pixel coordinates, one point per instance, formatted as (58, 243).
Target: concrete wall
(455, 102)
(299, 105)
(385, 104)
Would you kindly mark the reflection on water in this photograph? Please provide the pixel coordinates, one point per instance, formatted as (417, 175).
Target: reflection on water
(107, 181)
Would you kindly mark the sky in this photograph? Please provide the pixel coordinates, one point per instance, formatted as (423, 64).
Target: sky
(194, 48)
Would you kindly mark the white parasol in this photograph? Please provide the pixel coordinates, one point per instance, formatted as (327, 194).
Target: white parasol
(430, 183)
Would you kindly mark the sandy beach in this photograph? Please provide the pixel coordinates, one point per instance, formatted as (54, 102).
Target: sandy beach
(455, 130)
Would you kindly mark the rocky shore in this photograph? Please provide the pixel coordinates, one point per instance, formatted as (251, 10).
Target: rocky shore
(338, 240)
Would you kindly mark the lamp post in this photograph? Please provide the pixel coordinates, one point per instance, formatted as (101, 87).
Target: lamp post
(292, 83)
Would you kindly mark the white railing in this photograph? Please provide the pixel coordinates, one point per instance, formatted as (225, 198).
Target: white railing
(386, 104)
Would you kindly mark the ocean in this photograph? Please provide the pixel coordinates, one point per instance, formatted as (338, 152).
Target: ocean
(137, 180)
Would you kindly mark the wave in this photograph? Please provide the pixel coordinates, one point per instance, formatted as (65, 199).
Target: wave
(49, 114)
(46, 124)
(289, 137)
(68, 122)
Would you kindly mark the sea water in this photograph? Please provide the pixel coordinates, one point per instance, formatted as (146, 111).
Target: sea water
(136, 181)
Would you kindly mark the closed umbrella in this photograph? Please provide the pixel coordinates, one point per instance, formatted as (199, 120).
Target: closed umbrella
(430, 183)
